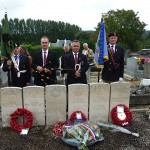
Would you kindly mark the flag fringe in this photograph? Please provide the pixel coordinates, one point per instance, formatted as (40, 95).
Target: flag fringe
(98, 66)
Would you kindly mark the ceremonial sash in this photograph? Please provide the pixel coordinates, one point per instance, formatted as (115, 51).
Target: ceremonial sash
(113, 61)
(15, 64)
(17, 67)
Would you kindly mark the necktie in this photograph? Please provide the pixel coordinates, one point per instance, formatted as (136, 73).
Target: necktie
(75, 58)
(16, 57)
(44, 58)
(112, 50)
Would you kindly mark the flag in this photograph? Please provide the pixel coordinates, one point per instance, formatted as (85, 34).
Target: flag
(6, 42)
(101, 52)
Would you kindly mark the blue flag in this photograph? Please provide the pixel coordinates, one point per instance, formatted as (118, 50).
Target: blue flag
(101, 52)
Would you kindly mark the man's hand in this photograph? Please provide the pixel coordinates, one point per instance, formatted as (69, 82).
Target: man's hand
(47, 70)
(28, 84)
(121, 79)
(77, 74)
(39, 69)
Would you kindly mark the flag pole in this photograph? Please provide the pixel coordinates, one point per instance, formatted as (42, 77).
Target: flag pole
(99, 70)
(101, 52)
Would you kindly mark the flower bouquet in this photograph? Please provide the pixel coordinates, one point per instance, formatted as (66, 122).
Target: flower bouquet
(115, 128)
(82, 135)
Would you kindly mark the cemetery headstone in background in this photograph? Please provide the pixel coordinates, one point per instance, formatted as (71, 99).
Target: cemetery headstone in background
(132, 68)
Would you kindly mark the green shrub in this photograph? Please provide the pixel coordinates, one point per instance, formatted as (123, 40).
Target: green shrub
(33, 48)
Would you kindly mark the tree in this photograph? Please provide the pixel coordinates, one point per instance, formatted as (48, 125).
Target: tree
(127, 26)
(148, 35)
(31, 31)
(85, 37)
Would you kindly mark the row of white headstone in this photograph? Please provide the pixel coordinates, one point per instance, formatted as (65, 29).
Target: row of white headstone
(53, 103)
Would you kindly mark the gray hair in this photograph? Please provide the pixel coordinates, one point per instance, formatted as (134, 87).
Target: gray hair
(85, 44)
(66, 46)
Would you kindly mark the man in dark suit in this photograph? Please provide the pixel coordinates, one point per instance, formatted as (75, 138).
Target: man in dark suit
(66, 51)
(18, 67)
(113, 68)
(43, 64)
(76, 64)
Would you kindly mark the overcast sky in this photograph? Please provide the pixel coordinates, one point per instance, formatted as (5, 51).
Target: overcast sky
(84, 13)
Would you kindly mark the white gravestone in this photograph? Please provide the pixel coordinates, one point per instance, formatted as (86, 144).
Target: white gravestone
(11, 100)
(55, 103)
(99, 101)
(33, 98)
(78, 98)
(120, 94)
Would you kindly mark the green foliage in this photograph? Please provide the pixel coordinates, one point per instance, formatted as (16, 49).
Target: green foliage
(85, 37)
(127, 25)
(33, 48)
(145, 44)
(59, 50)
(148, 35)
(31, 31)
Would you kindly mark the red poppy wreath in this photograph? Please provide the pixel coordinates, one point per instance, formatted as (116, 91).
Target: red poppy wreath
(121, 115)
(57, 129)
(21, 112)
(73, 116)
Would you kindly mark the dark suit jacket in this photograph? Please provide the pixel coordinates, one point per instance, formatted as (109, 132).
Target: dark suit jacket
(62, 62)
(43, 79)
(69, 63)
(24, 77)
(109, 72)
